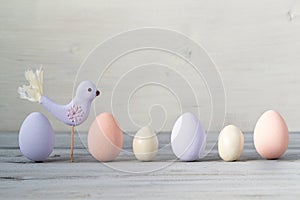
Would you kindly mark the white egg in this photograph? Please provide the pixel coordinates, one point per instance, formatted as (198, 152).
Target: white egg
(145, 144)
(231, 143)
(188, 138)
(36, 137)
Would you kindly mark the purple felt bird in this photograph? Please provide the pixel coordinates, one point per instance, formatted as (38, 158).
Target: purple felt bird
(72, 114)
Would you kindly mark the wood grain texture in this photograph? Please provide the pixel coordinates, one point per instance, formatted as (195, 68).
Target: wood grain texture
(255, 45)
(211, 178)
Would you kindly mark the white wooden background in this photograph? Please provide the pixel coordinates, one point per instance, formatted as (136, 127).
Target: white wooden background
(255, 45)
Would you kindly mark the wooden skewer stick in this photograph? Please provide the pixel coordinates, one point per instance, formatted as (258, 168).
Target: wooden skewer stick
(72, 144)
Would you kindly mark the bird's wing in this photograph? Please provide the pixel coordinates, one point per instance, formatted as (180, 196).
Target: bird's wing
(75, 114)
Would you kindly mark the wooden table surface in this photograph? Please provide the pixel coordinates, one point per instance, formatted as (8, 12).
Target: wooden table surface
(165, 178)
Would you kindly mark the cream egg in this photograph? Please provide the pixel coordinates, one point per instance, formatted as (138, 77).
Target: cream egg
(145, 144)
(105, 138)
(271, 135)
(230, 143)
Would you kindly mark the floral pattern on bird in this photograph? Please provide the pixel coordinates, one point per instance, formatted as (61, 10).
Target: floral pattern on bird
(75, 114)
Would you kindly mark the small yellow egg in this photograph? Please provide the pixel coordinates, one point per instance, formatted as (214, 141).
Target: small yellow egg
(145, 144)
(231, 143)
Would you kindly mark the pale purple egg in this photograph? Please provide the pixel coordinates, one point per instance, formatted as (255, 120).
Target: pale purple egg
(188, 139)
(36, 137)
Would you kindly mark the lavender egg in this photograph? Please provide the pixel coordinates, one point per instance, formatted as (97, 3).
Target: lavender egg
(188, 138)
(36, 137)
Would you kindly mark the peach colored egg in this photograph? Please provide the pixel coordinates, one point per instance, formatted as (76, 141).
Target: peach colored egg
(105, 138)
(271, 135)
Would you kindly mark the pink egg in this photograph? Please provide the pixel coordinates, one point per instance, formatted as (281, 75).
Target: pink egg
(105, 138)
(271, 135)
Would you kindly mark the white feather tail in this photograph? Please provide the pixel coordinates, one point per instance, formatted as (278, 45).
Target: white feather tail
(34, 91)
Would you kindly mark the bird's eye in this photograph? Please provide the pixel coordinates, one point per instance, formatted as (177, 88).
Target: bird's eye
(90, 89)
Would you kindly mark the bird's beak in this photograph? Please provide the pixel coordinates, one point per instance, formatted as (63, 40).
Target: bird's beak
(97, 93)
